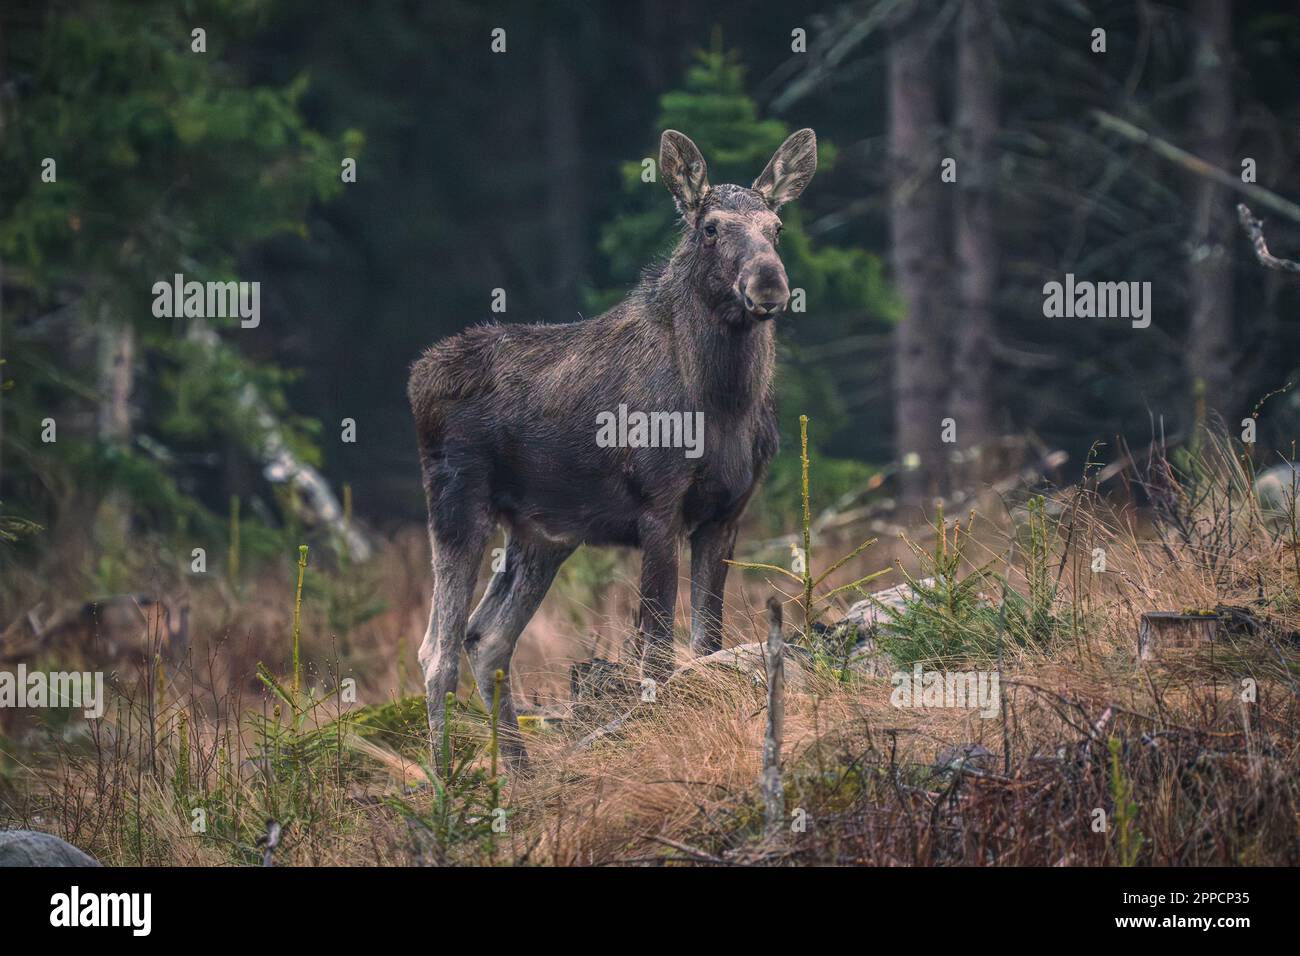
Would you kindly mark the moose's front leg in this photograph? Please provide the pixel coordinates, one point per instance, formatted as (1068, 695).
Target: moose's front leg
(711, 547)
(658, 596)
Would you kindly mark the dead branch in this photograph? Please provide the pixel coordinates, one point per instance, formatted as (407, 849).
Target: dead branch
(1255, 230)
(773, 793)
(1194, 164)
(691, 852)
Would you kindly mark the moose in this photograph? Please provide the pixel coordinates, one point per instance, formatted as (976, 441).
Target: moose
(506, 420)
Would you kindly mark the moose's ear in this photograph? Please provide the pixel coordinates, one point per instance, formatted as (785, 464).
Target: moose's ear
(684, 172)
(789, 170)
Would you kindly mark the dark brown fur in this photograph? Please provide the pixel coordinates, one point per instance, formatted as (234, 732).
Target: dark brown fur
(506, 423)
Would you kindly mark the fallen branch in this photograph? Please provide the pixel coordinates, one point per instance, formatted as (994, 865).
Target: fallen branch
(691, 852)
(1194, 164)
(281, 466)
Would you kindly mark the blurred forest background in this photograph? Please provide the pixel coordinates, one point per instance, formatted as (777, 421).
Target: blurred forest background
(521, 170)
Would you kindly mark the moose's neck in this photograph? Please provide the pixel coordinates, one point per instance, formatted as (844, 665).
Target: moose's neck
(727, 361)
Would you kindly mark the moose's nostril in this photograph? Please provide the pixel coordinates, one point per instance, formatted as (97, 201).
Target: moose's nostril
(776, 305)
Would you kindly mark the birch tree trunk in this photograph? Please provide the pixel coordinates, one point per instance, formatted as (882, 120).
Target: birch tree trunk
(116, 382)
(313, 495)
(113, 424)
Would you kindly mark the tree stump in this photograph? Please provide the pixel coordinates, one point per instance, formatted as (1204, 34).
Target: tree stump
(1163, 631)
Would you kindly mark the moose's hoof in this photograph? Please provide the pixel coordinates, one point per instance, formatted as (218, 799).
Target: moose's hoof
(703, 647)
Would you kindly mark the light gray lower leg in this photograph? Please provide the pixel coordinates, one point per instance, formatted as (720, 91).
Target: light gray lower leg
(454, 570)
(494, 630)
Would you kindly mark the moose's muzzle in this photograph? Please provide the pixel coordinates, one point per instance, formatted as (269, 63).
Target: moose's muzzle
(763, 288)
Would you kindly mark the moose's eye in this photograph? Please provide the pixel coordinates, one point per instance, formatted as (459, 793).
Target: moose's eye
(777, 237)
(710, 230)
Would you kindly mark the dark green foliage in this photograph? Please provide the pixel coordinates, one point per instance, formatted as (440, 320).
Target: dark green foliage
(463, 809)
(168, 161)
(402, 724)
(1128, 838)
(963, 613)
(225, 165)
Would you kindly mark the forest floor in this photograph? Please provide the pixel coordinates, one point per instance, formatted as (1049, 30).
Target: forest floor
(1090, 755)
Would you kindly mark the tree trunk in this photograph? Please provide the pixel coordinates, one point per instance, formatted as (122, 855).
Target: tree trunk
(1212, 350)
(921, 263)
(4, 125)
(976, 240)
(2, 332)
(113, 425)
(116, 382)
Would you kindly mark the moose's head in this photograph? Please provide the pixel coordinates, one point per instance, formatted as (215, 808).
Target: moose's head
(733, 231)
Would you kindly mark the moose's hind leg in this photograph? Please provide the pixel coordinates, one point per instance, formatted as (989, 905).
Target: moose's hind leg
(459, 526)
(511, 600)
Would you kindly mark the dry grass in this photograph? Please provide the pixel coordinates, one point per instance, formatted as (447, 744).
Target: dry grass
(1213, 778)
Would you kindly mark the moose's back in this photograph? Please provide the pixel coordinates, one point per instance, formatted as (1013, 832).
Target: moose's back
(515, 408)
